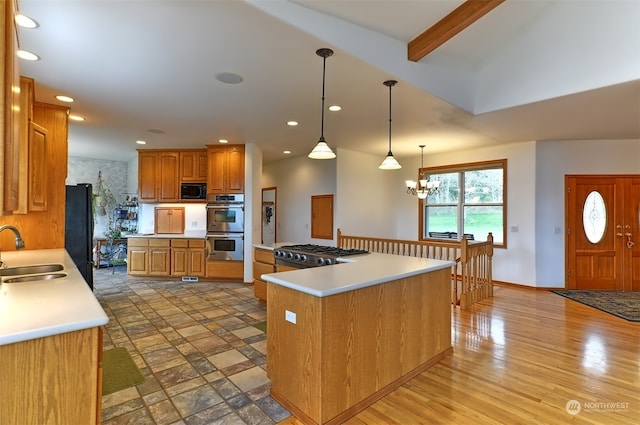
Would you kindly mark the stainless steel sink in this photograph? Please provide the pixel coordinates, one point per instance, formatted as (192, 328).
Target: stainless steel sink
(33, 277)
(22, 270)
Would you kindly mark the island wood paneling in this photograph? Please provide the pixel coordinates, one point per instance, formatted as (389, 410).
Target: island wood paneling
(348, 350)
(45, 229)
(519, 358)
(52, 380)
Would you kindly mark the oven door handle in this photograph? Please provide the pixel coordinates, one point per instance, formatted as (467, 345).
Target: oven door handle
(225, 235)
(225, 207)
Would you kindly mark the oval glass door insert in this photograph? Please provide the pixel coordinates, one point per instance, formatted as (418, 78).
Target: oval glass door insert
(594, 217)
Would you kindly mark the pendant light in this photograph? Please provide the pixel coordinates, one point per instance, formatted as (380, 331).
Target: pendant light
(322, 150)
(390, 163)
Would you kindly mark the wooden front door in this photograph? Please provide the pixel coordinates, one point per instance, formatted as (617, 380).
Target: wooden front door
(603, 221)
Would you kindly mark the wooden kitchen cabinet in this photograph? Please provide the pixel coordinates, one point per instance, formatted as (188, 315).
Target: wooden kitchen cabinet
(38, 191)
(138, 256)
(193, 165)
(9, 109)
(54, 380)
(169, 220)
(159, 257)
(233, 270)
(225, 172)
(158, 172)
(147, 176)
(149, 257)
(263, 262)
(168, 184)
(188, 257)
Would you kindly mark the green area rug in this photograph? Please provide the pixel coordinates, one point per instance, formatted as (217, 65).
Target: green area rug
(262, 326)
(623, 304)
(119, 371)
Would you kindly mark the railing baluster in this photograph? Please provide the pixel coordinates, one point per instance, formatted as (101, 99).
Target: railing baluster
(473, 260)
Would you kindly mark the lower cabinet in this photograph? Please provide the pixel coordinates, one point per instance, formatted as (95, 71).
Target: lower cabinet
(138, 256)
(263, 262)
(53, 380)
(187, 257)
(232, 270)
(166, 257)
(159, 257)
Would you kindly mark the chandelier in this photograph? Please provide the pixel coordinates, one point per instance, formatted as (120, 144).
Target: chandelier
(322, 149)
(389, 162)
(423, 187)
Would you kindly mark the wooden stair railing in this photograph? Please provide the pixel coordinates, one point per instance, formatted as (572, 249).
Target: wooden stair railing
(473, 259)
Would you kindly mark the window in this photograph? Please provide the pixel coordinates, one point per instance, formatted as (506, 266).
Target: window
(471, 201)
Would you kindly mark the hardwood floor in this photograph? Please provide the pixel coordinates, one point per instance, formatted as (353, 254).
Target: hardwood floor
(523, 357)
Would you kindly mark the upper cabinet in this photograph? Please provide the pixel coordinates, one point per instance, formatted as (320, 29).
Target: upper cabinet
(9, 109)
(193, 166)
(168, 184)
(226, 169)
(160, 172)
(158, 176)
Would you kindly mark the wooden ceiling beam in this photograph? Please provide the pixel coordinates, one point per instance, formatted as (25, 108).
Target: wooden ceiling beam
(449, 26)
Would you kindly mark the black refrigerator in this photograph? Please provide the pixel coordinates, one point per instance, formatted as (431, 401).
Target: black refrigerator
(78, 233)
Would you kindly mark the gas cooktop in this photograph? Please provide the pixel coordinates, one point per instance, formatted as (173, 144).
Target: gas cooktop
(309, 255)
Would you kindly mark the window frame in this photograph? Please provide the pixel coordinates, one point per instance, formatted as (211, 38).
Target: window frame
(461, 168)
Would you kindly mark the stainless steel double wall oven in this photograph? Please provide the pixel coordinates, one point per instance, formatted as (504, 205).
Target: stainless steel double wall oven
(225, 227)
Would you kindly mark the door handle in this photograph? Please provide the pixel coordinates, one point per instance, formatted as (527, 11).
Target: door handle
(630, 243)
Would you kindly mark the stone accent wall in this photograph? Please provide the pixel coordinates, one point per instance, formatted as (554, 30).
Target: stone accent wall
(114, 177)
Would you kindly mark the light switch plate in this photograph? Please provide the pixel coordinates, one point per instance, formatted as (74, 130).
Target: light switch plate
(290, 316)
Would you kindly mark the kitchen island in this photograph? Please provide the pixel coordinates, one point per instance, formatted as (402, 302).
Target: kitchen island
(341, 337)
(50, 345)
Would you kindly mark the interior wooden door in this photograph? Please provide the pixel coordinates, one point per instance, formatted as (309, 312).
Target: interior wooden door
(632, 241)
(602, 216)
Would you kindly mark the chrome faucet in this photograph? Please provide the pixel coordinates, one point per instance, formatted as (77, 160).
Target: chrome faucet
(19, 241)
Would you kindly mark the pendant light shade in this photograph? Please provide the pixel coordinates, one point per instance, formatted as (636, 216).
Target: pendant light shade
(322, 149)
(389, 162)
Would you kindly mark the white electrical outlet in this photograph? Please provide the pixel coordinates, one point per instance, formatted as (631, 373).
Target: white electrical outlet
(194, 224)
(290, 316)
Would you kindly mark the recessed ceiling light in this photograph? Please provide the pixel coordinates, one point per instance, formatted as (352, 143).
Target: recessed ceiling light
(63, 98)
(141, 142)
(27, 55)
(25, 22)
(335, 108)
(292, 123)
(76, 118)
(229, 78)
(286, 152)
(223, 141)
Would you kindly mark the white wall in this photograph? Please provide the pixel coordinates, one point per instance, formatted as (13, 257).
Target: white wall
(297, 179)
(366, 195)
(556, 159)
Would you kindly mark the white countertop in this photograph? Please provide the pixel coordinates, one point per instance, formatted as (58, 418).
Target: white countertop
(36, 309)
(354, 272)
(189, 234)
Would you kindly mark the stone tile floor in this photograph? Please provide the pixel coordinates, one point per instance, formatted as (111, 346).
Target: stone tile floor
(203, 361)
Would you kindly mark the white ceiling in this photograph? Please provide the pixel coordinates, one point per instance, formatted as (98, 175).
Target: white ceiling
(146, 69)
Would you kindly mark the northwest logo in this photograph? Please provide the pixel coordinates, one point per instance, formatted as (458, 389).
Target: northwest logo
(573, 407)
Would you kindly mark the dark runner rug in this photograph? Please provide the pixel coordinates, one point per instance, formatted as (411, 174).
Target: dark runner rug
(623, 304)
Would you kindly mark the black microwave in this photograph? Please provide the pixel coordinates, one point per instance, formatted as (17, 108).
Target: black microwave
(191, 191)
